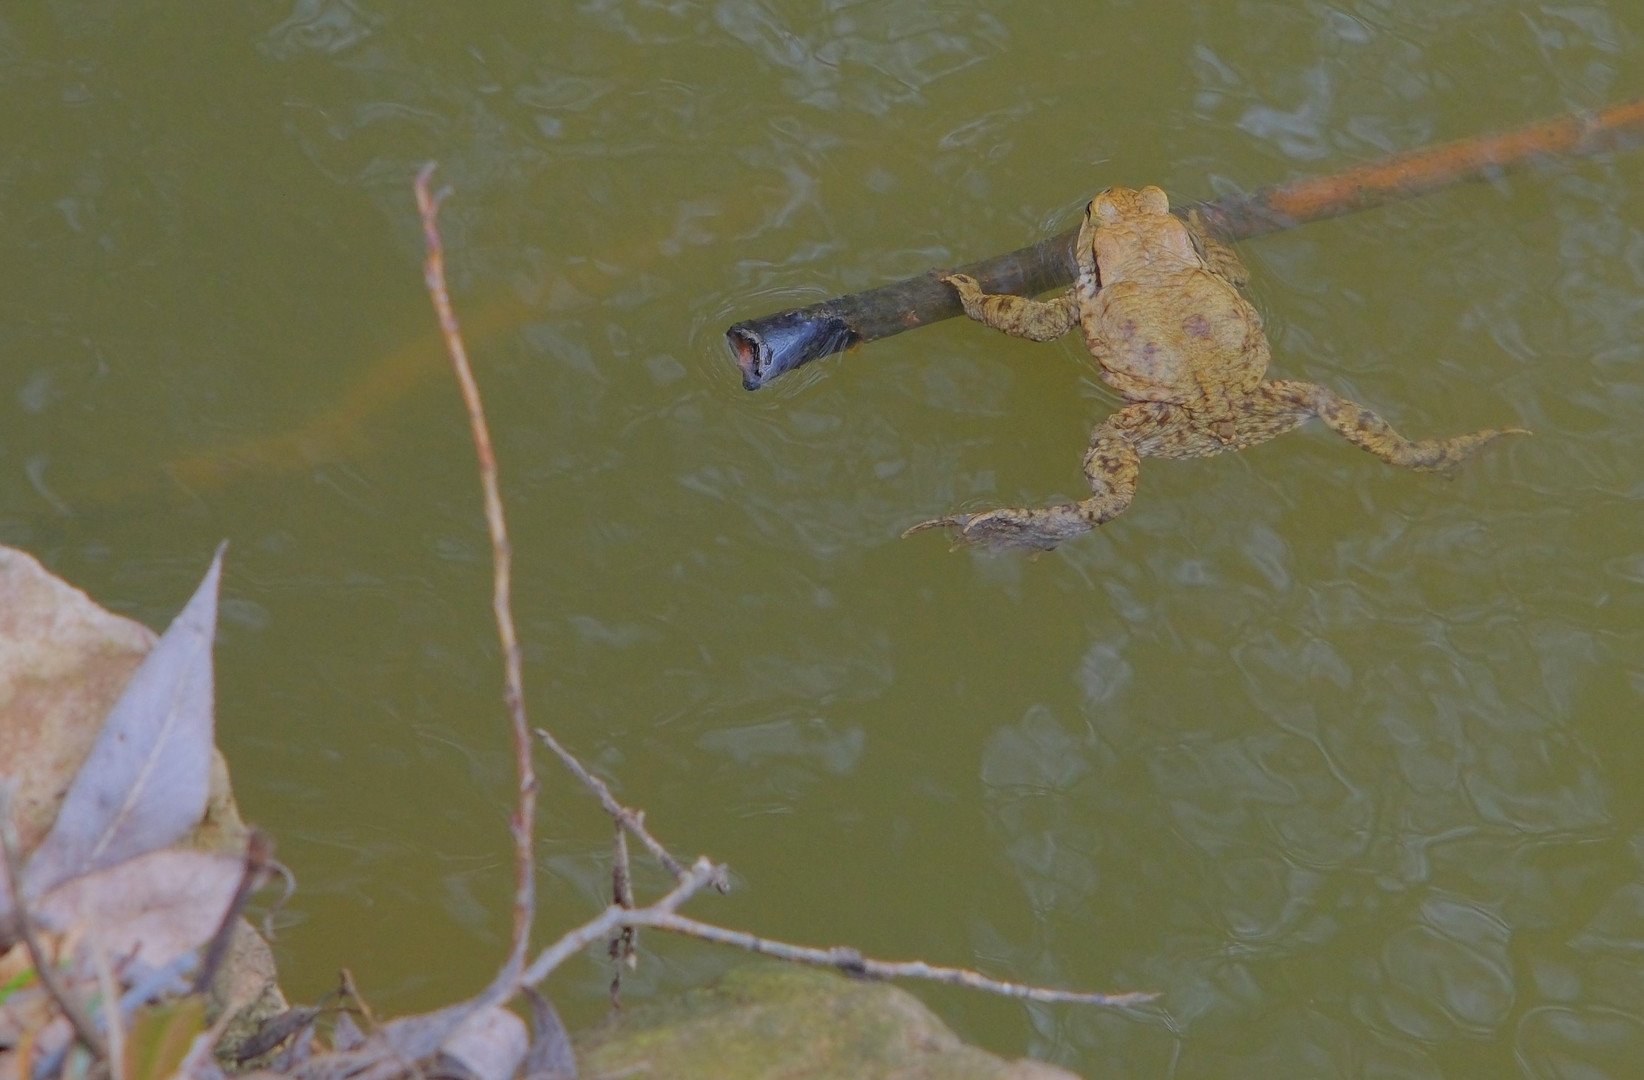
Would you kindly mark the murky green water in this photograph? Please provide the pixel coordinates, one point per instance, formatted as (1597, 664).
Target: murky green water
(1344, 760)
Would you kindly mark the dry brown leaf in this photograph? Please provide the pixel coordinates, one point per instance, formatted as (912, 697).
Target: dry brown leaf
(346, 1034)
(63, 663)
(489, 1045)
(551, 1056)
(147, 779)
(157, 906)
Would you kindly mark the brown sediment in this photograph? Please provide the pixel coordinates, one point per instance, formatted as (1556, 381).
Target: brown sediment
(774, 344)
(338, 430)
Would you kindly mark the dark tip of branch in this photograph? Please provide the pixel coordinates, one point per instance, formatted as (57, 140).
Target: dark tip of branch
(774, 346)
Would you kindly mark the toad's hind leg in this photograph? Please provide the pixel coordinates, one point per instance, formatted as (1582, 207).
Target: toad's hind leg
(1039, 320)
(1111, 466)
(1289, 403)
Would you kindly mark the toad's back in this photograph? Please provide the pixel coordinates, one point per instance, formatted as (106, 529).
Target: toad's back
(1187, 338)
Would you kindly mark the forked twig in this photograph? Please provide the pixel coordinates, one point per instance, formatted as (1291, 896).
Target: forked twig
(663, 915)
(428, 205)
(259, 849)
(698, 877)
(632, 820)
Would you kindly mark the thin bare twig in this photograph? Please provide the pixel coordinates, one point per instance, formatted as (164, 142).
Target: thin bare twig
(84, 1029)
(348, 990)
(287, 878)
(697, 878)
(854, 963)
(663, 915)
(622, 876)
(428, 205)
(259, 849)
(626, 940)
(622, 893)
(632, 820)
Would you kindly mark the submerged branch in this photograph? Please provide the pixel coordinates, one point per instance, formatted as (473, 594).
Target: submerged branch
(775, 344)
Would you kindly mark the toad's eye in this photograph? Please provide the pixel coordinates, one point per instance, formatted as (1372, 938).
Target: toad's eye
(1103, 209)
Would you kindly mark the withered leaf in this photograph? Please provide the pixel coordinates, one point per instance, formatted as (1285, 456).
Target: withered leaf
(408, 1038)
(420, 1036)
(155, 907)
(145, 783)
(550, 1056)
(489, 1045)
(346, 1033)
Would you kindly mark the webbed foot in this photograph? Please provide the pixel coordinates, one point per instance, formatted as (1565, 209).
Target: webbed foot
(1010, 529)
(1369, 432)
(1453, 451)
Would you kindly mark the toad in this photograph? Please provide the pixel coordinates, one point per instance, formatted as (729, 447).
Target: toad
(1160, 305)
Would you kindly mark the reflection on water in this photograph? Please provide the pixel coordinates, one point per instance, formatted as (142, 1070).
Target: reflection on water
(1339, 758)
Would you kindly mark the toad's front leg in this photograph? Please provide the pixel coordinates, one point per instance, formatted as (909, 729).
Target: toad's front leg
(1038, 320)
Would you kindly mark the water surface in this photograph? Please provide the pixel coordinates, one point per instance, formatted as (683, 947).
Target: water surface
(1342, 759)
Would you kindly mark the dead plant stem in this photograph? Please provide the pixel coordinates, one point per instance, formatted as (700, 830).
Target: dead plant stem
(259, 849)
(428, 205)
(663, 915)
(632, 820)
(698, 877)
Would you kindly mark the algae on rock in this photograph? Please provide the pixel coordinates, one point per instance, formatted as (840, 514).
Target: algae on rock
(774, 1020)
